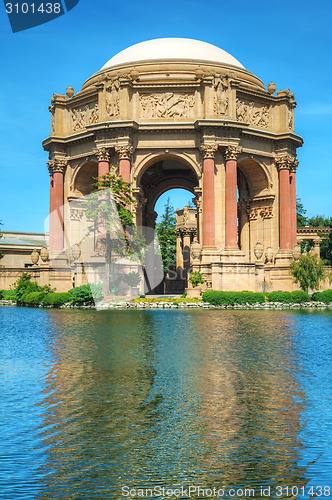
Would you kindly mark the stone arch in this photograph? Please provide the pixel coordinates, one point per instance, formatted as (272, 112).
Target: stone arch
(160, 173)
(83, 177)
(256, 174)
(151, 158)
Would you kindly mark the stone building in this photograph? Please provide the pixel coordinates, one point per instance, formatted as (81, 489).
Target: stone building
(180, 113)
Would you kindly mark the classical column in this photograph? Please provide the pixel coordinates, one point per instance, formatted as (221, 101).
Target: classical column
(285, 215)
(103, 161)
(208, 151)
(179, 254)
(56, 229)
(186, 248)
(292, 196)
(125, 156)
(231, 237)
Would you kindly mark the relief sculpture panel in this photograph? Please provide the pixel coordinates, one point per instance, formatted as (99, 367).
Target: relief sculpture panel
(220, 104)
(253, 113)
(112, 98)
(83, 116)
(166, 105)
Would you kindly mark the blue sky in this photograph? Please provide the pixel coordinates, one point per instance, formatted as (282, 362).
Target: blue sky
(287, 42)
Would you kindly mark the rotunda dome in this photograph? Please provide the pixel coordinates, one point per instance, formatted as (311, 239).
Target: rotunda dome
(172, 49)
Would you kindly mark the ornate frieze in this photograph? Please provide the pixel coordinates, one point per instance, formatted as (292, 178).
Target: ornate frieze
(221, 100)
(232, 152)
(266, 212)
(76, 214)
(209, 150)
(166, 105)
(253, 113)
(255, 208)
(125, 152)
(83, 116)
(112, 98)
(102, 154)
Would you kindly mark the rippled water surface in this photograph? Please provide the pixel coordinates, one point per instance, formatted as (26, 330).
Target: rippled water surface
(95, 401)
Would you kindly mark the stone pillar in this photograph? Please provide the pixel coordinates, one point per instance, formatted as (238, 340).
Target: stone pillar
(125, 156)
(103, 161)
(179, 254)
(186, 249)
(56, 229)
(316, 248)
(231, 237)
(208, 151)
(285, 216)
(292, 196)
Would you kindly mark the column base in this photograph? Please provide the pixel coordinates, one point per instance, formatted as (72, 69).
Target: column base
(209, 255)
(59, 260)
(232, 255)
(283, 258)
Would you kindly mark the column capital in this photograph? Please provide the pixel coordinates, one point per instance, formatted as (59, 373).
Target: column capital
(209, 150)
(294, 165)
(57, 166)
(50, 166)
(102, 154)
(125, 152)
(284, 162)
(232, 152)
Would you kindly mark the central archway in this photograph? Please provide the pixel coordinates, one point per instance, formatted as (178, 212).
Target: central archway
(159, 176)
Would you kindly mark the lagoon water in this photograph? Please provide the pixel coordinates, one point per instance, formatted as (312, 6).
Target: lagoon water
(93, 402)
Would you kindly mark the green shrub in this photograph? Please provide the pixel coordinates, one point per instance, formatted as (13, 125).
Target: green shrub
(279, 296)
(2, 293)
(32, 298)
(9, 295)
(196, 278)
(85, 293)
(132, 279)
(56, 299)
(24, 286)
(231, 298)
(300, 296)
(325, 296)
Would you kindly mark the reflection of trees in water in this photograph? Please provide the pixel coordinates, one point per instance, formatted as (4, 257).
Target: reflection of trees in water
(251, 419)
(163, 397)
(94, 402)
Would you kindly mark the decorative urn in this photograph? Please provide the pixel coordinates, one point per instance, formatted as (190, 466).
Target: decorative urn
(34, 257)
(271, 88)
(269, 255)
(195, 251)
(258, 250)
(76, 252)
(70, 92)
(44, 255)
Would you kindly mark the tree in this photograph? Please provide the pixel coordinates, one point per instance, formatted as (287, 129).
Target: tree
(107, 209)
(165, 230)
(301, 219)
(308, 271)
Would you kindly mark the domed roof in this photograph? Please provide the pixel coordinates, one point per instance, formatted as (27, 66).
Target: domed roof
(172, 49)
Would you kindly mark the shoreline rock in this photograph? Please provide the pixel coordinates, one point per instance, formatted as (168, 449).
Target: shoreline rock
(186, 305)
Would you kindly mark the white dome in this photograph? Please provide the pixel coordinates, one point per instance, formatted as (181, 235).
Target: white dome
(172, 49)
